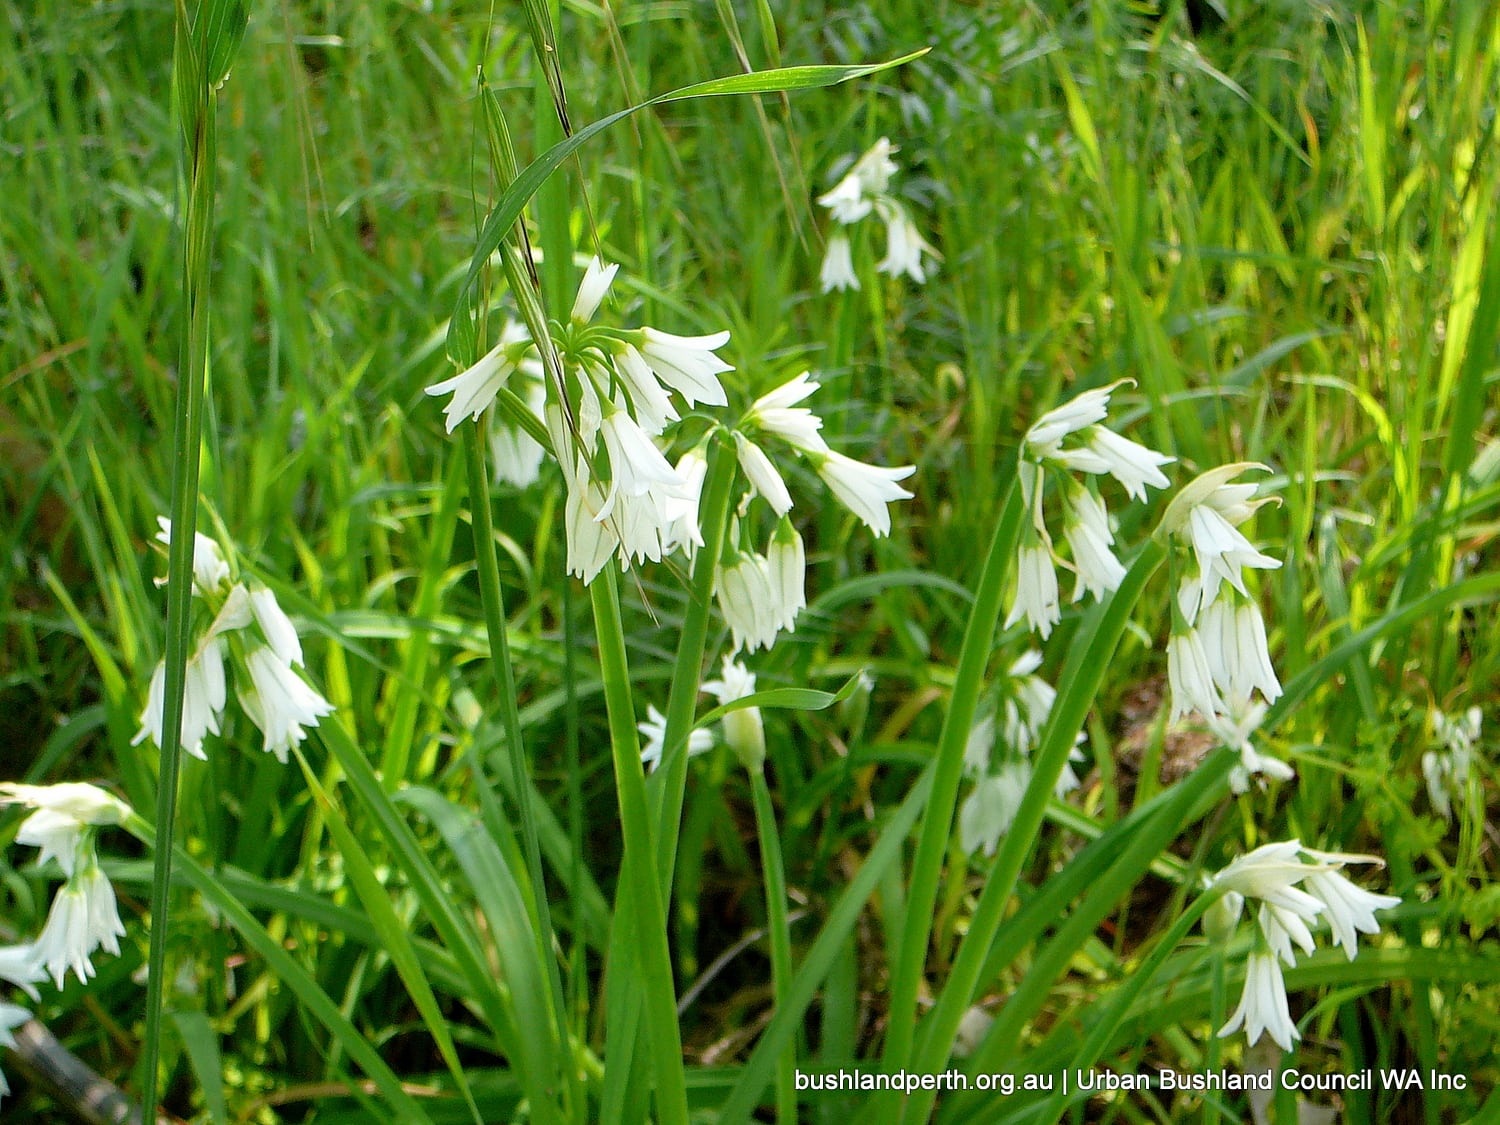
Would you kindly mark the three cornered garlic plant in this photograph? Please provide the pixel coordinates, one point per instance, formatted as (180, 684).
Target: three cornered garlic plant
(236, 623)
(1218, 661)
(627, 399)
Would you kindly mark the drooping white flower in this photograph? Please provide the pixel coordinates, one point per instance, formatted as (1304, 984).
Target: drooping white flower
(744, 730)
(1271, 873)
(864, 489)
(654, 728)
(1190, 677)
(838, 265)
(516, 455)
(653, 406)
(1086, 528)
(474, 388)
(1045, 436)
(210, 570)
(1350, 909)
(786, 562)
(1036, 590)
(597, 279)
(1206, 514)
(1282, 927)
(63, 812)
(847, 201)
(1263, 1004)
(682, 531)
(590, 542)
(875, 167)
(18, 965)
(1234, 640)
(990, 809)
(636, 464)
(905, 248)
(1130, 463)
(84, 917)
(280, 702)
(776, 413)
(763, 477)
(204, 696)
(1234, 731)
(869, 178)
(279, 631)
(748, 602)
(687, 364)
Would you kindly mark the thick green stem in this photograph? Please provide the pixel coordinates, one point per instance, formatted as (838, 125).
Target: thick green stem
(780, 934)
(198, 139)
(654, 957)
(937, 823)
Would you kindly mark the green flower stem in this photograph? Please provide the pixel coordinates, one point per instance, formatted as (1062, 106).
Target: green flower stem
(669, 781)
(1088, 661)
(781, 938)
(937, 823)
(653, 956)
(494, 619)
(198, 132)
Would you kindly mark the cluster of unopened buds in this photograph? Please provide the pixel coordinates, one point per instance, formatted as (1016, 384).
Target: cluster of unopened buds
(245, 621)
(863, 191)
(1294, 886)
(620, 409)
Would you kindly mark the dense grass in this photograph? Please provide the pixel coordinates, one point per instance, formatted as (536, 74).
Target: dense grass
(1281, 227)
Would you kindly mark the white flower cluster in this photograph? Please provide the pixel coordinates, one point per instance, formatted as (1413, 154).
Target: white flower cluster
(865, 189)
(247, 621)
(623, 496)
(84, 914)
(1095, 450)
(608, 425)
(1294, 885)
(1217, 655)
(1447, 768)
(761, 595)
(990, 808)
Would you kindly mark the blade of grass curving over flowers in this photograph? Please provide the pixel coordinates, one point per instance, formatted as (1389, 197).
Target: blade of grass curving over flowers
(519, 192)
(644, 893)
(780, 936)
(760, 1069)
(201, 58)
(1088, 660)
(290, 972)
(937, 825)
(392, 931)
